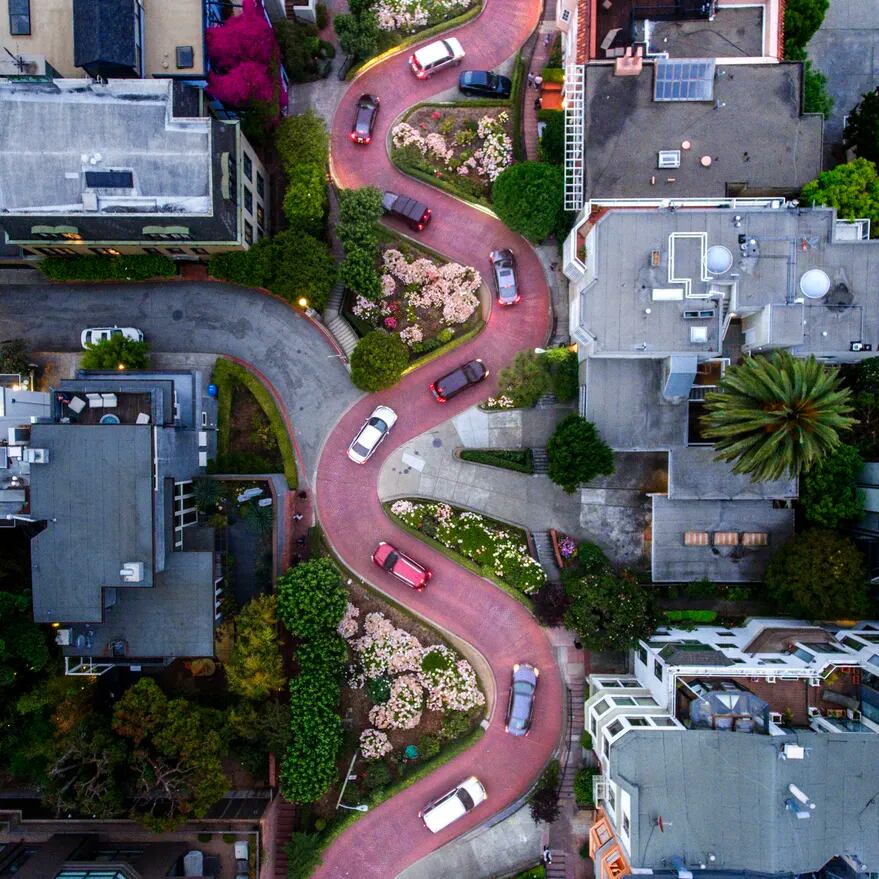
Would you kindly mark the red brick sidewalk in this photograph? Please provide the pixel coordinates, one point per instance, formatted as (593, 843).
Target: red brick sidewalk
(538, 62)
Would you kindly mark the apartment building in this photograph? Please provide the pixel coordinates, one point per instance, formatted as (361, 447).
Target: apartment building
(124, 166)
(729, 751)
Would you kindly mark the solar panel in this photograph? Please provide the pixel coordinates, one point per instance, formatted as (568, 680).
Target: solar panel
(109, 179)
(691, 80)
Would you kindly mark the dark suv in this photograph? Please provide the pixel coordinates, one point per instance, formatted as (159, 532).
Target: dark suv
(415, 213)
(458, 380)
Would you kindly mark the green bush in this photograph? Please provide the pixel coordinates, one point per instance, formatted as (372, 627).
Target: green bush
(702, 617)
(801, 19)
(325, 654)
(255, 669)
(525, 380)
(564, 373)
(377, 775)
(429, 747)
(378, 690)
(553, 74)
(829, 493)
(299, 45)
(528, 197)
(583, 787)
(321, 15)
(378, 361)
(853, 189)
(455, 724)
(359, 213)
(115, 352)
(303, 855)
(862, 127)
(359, 274)
(14, 356)
(311, 598)
(305, 201)
(577, 454)
(358, 34)
(91, 267)
(520, 461)
(302, 140)
(552, 141)
(815, 96)
(586, 740)
(544, 800)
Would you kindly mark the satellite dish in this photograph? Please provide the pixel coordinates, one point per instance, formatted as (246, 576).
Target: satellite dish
(814, 284)
(718, 259)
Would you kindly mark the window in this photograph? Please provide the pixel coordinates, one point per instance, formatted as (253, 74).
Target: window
(566, 15)
(614, 729)
(625, 825)
(637, 721)
(185, 57)
(153, 251)
(20, 18)
(248, 200)
(57, 251)
(90, 874)
(260, 185)
(201, 251)
(176, 251)
(248, 233)
(642, 653)
(248, 167)
(260, 216)
(104, 251)
(119, 853)
(657, 668)
(601, 707)
(185, 512)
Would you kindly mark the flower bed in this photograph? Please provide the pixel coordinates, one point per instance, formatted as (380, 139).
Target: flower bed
(426, 302)
(499, 551)
(464, 147)
(408, 16)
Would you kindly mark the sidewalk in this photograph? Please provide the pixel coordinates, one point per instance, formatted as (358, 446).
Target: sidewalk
(538, 62)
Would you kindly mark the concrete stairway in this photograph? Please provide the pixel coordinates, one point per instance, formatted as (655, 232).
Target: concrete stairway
(286, 819)
(541, 460)
(545, 555)
(546, 401)
(344, 335)
(558, 868)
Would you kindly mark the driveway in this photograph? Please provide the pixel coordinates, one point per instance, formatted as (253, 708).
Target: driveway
(285, 347)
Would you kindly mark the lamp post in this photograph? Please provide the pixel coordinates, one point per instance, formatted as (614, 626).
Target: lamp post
(353, 808)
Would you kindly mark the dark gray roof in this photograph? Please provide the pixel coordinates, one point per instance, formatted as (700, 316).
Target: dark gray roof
(677, 655)
(695, 475)
(724, 793)
(103, 36)
(97, 487)
(756, 137)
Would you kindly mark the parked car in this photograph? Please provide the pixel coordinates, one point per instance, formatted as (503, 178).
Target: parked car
(453, 805)
(521, 706)
(484, 84)
(364, 118)
(435, 57)
(452, 383)
(415, 213)
(370, 436)
(405, 569)
(93, 335)
(503, 264)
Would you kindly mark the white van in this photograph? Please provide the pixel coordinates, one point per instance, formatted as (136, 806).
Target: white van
(453, 805)
(436, 56)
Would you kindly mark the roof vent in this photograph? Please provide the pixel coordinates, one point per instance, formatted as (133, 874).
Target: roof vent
(718, 260)
(132, 572)
(35, 456)
(699, 335)
(814, 284)
(669, 159)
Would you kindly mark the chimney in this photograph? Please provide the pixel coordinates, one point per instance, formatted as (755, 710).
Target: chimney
(629, 64)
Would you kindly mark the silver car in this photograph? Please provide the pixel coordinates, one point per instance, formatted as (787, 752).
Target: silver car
(93, 335)
(503, 265)
(370, 436)
(521, 707)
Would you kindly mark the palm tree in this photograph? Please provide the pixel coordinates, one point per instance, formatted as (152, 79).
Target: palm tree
(207, 493)
(776, 416)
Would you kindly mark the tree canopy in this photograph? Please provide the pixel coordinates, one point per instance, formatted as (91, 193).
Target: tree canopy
(801, 19)
(853, 189)
(115, 352)
(828, 492)
(255, 668)
(529, 197)
(862, 127)
(577, 453)
(378, 361)
(777, 416)
(818, 575)
(311, 598)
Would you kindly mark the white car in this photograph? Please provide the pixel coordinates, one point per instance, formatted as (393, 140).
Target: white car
(436, 56)
(453, 805)
(369, 437)
(93, 335)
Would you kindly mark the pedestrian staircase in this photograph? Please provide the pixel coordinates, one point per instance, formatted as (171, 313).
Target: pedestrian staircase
(344, 335)
(337, 294)
(540, 460)
(545, 555)
(557, 869)
(285, 823)
(546, 401)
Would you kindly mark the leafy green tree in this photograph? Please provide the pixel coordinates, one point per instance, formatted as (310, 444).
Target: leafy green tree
(176, 770)
(378, 361)
(610, 611)
(23, 648)
(359, 213)
(528, 197)
(305, 201)
(255, 669)
(325, 654)
(303, 140)
(853, 189)
(358, 34)
(776, 416)
(14, 356)
(303, 855)
(583, 787)
(564, 373)
(525, 379)
(359, 274)
(544, 801)
(299, 44)
(829, 493)
(862, 127)
(302, 267)
(311, 598)
(801, 19)
(866, 402)
(818, 575)
(115, 352)
(815, 96)
(552, 141)
(577, 453)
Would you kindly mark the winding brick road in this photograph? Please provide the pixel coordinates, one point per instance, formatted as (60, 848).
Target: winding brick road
(386, 840)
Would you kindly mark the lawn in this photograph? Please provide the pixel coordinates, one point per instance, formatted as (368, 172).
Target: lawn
(463, 148)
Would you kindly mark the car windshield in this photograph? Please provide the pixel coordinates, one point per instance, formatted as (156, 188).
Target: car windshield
(362, 123)
(522, 688)
(390, 561)
(466, 799)
(378, 424)
(360, 449)
(517, 723)
(454, 381)
(115, 332)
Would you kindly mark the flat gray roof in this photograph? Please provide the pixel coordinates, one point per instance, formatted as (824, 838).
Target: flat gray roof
(732, 32)
(695, 475)
(96, 491)
(672, 562)
(751, 128)
(724, 793)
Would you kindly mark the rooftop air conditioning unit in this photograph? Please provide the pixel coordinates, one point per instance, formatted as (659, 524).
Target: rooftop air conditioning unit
(814, 712)
(132, 572)
(853, 714)
(63, 637)
(669, 159)
(814, 682)
(770, 679)
(36, 456)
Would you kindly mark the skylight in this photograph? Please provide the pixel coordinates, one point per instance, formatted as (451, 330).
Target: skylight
(691, 80)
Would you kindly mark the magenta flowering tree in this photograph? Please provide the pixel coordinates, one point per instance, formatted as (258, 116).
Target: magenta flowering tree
(247, 82)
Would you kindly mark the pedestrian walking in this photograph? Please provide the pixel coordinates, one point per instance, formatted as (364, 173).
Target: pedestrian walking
(538, 81)
(537, 103)
(297, 517)
(547, 855)
(530, 80)
(546, 39)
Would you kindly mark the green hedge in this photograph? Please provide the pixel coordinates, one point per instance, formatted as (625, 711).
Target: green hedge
(225, 376)
(447, 184)
(519, 460)
(518, 80)
(90, 267)
(553, 74)
(691, 616)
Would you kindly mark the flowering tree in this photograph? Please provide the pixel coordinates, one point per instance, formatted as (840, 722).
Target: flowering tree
(374, 744)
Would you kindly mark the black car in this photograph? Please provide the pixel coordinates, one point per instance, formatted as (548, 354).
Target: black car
(364, 118)
(484, 84)
(521, 707)
(415, 213)
(458, 380)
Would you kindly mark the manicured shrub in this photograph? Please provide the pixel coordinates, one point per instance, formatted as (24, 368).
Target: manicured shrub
(528, 197)
(321, 15)
(358, 35)
(378, 689)
(816, 99)
(564, 373)
(583, 787)
(311, 598)
(544, 801)
(553, 74)
(303, 140)
(455, 724)
(115, 352)
(696, 617)
(303, 854)
(853, 189)
(378, 361)
(359, 274)
(305, 201)
(90, 267)
(428, 747)
(829, 493)
(552, 141)
(359, 213)
(577, 454)
(525, 379)
(520, 461)
(255, 668)
(377, 775)
(586, 740)
(325, 654)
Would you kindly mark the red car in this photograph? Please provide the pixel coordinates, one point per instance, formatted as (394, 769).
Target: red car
(401, 566)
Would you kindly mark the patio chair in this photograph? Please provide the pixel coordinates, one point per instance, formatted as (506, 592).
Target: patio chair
(76, 405)
(726, 538)
(110, 401)
(96, 401)
(142, 418)
(695, 538)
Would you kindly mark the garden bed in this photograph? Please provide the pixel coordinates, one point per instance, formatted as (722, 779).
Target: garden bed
(460, 147)
(517, 460)
(429, 303)
(493, 549)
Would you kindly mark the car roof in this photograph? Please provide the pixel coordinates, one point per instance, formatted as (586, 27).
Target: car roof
(409, 207)
(453, 381)
(434, 52)
(476, 77)
(367, 99)
(409, 569)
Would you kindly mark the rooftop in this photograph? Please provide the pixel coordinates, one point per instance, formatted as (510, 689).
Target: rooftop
(716, 789)
(747, 137)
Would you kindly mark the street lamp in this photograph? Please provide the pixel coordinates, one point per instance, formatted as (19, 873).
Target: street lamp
(302, 302)
(363, 808)
(540, 350)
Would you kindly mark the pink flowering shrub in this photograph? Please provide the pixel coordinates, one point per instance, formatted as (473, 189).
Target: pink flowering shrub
(374, 744)
(449, 681)
(390, 323)
(409, 15)
(385, 649)
(403, 709)
(348, 626)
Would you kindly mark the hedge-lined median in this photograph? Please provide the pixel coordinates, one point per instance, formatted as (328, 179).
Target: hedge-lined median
(90, 267)
(518, 460)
